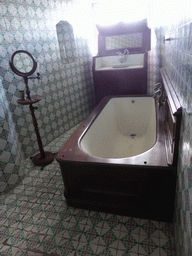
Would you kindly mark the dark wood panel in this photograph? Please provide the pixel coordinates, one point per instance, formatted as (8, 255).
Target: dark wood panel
(120, 81)
(173, 115)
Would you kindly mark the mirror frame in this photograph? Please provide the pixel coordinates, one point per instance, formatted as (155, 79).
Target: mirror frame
(16, 71)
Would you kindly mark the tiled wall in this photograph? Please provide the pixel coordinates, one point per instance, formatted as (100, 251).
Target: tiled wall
(66, 89)
(11, 158)
(176, 57)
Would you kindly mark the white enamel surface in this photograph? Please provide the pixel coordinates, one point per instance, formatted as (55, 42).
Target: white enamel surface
(125, 127)
(112, 62)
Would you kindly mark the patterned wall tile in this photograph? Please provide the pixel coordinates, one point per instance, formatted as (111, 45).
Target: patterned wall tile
(11, 158)
(66, 89)
(176, 58)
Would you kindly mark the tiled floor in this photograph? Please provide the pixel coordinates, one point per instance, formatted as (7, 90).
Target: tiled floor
(35, 220)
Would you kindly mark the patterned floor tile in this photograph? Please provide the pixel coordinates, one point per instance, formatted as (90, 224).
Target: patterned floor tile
(167, 229)
(41, 226)
(32, 242)
(156, 253)
(148, 245)
(113, 222)
(106, 251)
(35, 215)
(167, 246)
(95, 219)
(57, 228)
(66, 214)
(109, 237)
(131, 224)
(149, 227)
(68, 247)
(23, 207)
(27, 223)
(13, 220)
(125, 253)
(130, 243)
(3, 217)
(85, 250)
(56, 179)
(75, 231)
(4, 234)
(44, 198)
(49, 211)
(81, 217)
(50, 188)
(36, 210)
(17, 238)
(56, 200)
(50, 244)
(11, 205)
(32, 196)
(91, 235)
(162, 235)
(8, 250)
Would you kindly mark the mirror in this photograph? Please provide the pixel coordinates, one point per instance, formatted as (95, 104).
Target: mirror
(66, 42)
(22, 63)
(124, 41)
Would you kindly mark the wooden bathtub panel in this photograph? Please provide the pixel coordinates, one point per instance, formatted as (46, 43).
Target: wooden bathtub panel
(150, 193)
(148, 180)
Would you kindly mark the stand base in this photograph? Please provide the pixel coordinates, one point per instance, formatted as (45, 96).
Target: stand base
(39, 161)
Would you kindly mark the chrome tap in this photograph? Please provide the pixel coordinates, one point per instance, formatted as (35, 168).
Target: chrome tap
(160, 95)
(123, 56)
(157, 92)
(126, 51)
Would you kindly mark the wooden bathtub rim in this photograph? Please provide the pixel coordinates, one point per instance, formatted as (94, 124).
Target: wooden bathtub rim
(175, 109)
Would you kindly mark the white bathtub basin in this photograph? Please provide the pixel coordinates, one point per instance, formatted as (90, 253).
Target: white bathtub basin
(126, 127)
(112, 62)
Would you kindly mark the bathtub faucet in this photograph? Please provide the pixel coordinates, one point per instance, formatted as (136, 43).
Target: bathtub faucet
(157, 91)
(123, 56)
(159, 95)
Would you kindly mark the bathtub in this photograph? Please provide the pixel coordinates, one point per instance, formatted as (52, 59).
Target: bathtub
(122, 159)
(126, 127)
